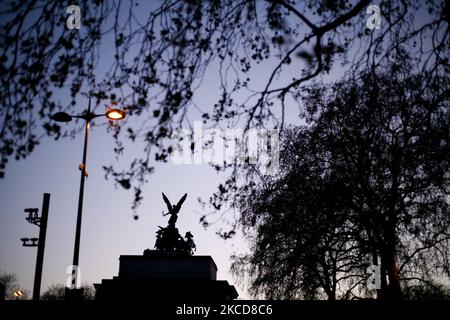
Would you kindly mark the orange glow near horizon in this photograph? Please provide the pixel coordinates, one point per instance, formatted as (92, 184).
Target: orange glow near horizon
(18, 293)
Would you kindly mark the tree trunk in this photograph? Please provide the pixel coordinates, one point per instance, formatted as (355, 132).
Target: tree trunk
(389, 262)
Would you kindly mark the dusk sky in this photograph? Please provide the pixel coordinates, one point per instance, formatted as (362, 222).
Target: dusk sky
(108, 227)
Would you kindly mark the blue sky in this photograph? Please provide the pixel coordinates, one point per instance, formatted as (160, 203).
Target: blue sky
(108, 228)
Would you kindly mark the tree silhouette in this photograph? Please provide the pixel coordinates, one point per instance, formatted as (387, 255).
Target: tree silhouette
(57, 292)
(364, 182)
(160, 60)
(428, 291)
(9, 280)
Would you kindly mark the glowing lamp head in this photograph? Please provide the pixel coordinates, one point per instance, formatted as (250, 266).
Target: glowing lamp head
(18, 293)
(115, 114)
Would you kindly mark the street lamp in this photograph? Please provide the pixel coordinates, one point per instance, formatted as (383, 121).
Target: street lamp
(18, 294)
(112, 114)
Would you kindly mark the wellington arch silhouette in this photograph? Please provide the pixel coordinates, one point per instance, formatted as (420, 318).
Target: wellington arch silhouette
(170, 271)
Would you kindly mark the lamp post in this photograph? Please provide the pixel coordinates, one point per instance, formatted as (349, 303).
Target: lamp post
(41, 222)
(112, 114)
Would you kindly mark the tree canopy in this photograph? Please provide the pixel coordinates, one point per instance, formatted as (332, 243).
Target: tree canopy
(364, 182)
(159, 61)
